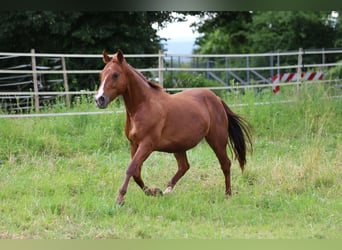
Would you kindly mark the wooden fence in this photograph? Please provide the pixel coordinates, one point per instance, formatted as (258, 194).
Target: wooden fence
(253, 76)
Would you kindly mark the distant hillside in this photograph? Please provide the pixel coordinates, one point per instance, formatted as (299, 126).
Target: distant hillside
(180, 46)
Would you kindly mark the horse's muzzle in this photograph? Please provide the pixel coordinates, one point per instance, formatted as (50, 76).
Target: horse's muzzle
(101, 102)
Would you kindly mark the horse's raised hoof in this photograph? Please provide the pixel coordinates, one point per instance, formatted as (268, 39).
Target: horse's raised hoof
(120, 202)
(153, 192)
(229, 193)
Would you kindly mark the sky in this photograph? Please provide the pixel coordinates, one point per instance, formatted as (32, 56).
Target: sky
(180, 36)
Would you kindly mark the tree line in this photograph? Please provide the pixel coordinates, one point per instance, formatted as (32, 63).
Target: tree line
(136, 33)
(264, 31)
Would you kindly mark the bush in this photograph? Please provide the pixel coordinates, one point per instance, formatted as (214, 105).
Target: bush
(334, 73)
(188, 80)
(191, 80)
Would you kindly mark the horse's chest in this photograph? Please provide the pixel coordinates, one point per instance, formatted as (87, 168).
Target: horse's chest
(132, 134)
(137, 130)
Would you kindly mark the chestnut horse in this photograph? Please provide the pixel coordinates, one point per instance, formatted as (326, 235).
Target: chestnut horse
(158, 121)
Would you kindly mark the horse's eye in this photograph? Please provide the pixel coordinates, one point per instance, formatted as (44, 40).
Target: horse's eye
(116, 76)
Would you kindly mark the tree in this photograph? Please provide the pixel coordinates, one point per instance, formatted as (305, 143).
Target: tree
(223, 32)
(336, 20)
(266, 31)
(290, 30)
(263, 31)
(83, 32)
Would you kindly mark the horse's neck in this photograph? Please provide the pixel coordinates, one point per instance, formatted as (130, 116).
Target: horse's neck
(137, 93)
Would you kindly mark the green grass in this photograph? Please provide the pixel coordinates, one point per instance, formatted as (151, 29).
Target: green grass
(59, 177)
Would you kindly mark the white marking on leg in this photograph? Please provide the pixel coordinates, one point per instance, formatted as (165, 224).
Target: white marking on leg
(167, 190)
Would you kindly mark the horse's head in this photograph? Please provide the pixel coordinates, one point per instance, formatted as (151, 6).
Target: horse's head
(113, 79)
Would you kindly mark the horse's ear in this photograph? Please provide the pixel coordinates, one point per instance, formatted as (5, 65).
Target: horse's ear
(106, 58)
(120, 56)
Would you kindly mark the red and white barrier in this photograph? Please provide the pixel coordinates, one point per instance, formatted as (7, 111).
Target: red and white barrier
(292, 77)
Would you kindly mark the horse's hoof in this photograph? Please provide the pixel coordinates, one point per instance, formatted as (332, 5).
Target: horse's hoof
(157, 192)
(153, 192)
(167, 190)
(120, 202)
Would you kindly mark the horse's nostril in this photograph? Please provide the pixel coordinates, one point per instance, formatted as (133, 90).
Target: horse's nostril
(101, 100)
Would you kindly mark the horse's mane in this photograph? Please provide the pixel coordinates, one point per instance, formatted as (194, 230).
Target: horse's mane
(151, 84)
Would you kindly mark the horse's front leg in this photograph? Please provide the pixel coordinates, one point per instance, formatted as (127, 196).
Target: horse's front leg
(134, 168)
(137, 176)
(142, 152)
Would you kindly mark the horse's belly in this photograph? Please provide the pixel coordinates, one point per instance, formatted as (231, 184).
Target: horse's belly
(174, 147)
(177, 139)
(185, 125)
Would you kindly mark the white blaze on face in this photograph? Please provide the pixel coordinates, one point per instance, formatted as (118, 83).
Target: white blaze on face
(100, 92)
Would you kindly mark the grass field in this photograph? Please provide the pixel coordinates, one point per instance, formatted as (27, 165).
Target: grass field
(59, 177)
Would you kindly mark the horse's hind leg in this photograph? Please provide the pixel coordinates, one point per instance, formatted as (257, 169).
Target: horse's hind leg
(219, 147)
(183, 166)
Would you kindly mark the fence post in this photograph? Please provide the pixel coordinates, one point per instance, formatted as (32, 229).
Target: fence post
(35, 80)
(299, 68)
(65, 80)
(247, 72)
(278, 63)
(323, 59)
(227, 73)
(161, 68)
(271, 65)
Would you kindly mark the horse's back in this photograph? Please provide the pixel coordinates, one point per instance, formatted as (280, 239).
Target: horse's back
(211, 105)
(196, 100)
(206, 100)
(196, 93)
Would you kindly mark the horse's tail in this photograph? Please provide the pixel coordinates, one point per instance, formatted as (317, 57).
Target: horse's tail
(239, 135)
